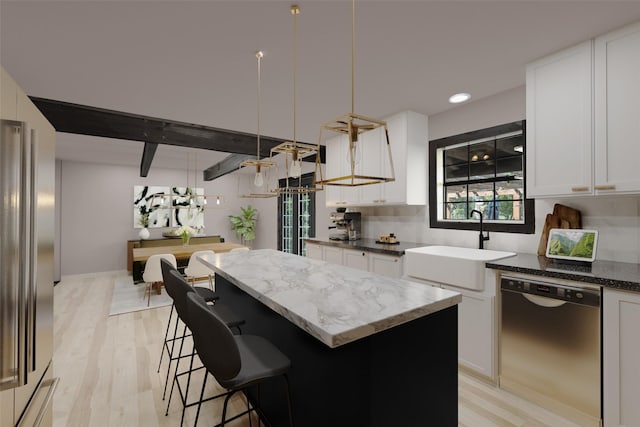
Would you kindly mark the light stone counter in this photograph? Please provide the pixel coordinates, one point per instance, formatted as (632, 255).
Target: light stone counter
(334, 304)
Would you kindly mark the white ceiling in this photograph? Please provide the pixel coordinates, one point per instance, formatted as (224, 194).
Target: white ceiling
(194, 61)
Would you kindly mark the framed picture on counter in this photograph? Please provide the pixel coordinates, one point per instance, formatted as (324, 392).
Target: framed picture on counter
(572, 244)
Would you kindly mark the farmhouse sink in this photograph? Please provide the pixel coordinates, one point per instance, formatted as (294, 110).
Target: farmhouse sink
(451, 265)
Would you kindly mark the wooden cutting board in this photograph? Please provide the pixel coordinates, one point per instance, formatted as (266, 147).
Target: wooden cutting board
(573, 216)
(551, 221)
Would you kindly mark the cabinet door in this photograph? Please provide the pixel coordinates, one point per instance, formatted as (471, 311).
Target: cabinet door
(356, 259)
(333, 168)
(373, 164)
(332, 255)
(9, 99)
(476, 336)
(395, 192)
(621, 353)
(337, 165)
(617, 103)
(314, 251)
(387, 265)
(559, 123)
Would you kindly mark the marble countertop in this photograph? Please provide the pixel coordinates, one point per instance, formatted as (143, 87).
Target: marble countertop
(334, 304)
(369, 245)
(610, 274)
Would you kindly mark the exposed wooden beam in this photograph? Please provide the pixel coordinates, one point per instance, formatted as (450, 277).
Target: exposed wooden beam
(223, 167)
(147, 157)
(86, 120)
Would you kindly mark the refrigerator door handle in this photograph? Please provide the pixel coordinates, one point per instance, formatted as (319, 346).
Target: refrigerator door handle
(14, 268)
(25, 311)
(33, 253)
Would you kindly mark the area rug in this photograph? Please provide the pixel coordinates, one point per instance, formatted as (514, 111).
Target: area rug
(128, 297)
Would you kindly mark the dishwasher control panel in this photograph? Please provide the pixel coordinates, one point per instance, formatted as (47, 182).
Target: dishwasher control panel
(586, 296)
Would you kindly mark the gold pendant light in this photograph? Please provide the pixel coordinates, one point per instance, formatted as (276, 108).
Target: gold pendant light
(295, 151)
(257, 178)
(356, 126)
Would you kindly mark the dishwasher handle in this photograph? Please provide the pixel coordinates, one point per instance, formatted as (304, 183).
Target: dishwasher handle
(544, 301)
(550, 291)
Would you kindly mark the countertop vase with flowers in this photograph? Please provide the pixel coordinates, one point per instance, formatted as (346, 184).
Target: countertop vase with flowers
(185, 232)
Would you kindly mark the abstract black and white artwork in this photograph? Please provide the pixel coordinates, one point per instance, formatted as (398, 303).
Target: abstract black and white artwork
(188, 205)
(151, 207)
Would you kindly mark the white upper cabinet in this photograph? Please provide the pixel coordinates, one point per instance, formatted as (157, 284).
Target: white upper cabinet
(583, 105)
(408, 138)
(559, 123)
(617, 111)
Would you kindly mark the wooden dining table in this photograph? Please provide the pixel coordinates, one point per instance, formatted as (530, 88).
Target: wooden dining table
(182, 252)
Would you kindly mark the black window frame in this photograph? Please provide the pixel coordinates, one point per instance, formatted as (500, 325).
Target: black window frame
(528, 227)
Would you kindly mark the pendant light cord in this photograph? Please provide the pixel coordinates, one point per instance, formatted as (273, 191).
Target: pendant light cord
(295, 10)
(259, 55)
(353, 54)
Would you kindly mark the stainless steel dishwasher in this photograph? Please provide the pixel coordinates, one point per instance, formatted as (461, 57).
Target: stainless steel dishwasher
(550, 346)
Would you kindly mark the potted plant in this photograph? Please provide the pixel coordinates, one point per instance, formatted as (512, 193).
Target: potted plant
(144, 222)
(245, 224)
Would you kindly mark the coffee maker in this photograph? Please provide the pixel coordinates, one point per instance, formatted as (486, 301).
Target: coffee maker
(347, 225)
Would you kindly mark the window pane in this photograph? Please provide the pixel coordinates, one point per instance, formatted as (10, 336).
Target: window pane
(482, 169)
(482, 151)
(510, 210)
(510, 166)
(454, 156)
(456, 193)
(456, 211)
(456, 173)
(510, 146)
(481, 197)
(510, 190)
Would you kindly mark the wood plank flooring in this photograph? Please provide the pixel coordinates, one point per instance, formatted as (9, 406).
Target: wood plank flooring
(108, 370)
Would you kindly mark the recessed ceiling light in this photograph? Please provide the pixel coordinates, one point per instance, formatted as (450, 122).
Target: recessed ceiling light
(459, 97)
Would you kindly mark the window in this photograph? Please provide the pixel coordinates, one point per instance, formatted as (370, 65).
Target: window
(482, 170)
(296, 219)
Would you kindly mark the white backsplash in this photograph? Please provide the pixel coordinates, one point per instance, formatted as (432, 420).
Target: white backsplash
(616, 218)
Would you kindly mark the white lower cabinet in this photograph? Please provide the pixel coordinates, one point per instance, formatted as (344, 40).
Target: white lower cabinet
(386, 265)
(476, 332)
(356, 259)
(621, 354)
(314, 251)
(333, 255)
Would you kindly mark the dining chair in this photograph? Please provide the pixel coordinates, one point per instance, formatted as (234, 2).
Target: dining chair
(153, 272)
(237, 362)
(196, 269)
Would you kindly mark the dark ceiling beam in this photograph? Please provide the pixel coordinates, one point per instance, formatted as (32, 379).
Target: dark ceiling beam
(147, 157)
(86, 120)
(223, 167)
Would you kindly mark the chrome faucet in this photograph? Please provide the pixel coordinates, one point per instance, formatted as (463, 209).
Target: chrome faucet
(482, 238)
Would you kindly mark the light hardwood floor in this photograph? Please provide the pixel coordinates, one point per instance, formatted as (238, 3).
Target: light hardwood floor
(107, 368)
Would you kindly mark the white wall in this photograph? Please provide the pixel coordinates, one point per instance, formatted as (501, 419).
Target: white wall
(617, 218)
(96, 213)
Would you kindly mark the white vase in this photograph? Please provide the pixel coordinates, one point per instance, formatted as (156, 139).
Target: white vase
(144, 233)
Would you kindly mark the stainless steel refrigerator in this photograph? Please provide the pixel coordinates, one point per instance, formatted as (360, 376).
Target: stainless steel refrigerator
(26, 271)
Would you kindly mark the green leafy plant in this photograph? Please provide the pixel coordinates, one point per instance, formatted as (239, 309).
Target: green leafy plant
(245, 224)
(144, 216)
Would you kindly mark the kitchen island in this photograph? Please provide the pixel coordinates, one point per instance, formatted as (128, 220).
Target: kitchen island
(366, 350)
